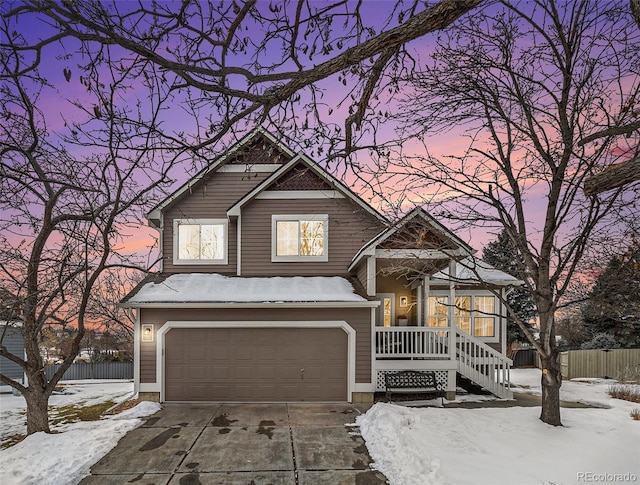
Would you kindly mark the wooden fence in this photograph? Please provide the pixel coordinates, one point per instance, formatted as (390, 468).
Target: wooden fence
(97, 370)
(599, 363)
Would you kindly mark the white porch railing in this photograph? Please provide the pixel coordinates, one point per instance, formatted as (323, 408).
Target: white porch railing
(483, 365)
(475, 359)
(412, 342)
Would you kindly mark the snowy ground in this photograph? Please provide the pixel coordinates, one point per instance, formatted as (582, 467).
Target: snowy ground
(65, 457)
(420, 446)
(425, 446)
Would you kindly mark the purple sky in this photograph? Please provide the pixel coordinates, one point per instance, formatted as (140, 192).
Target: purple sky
(55, 103)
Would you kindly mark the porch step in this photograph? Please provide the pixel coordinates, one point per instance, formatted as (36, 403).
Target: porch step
(470, 386)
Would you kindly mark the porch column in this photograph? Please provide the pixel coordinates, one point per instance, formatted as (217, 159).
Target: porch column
(451, 312)
(425, 288)
(503, 321)
(419, 310)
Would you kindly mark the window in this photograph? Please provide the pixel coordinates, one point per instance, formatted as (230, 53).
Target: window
(479, 322)
(200, 241)
(484, 321)
(437, 312)
(299, 238)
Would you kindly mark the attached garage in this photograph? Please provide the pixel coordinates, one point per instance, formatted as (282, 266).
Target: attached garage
(256, 364)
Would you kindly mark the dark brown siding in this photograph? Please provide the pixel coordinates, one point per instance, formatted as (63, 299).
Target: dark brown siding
(209, 200)
(358, 318)
(350, 227)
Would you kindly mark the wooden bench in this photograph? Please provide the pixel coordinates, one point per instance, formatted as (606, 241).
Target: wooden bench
(413, 381)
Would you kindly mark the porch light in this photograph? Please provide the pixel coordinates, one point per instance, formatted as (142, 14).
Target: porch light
(147, 332)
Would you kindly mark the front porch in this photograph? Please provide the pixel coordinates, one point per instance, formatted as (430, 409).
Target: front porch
(434, 349)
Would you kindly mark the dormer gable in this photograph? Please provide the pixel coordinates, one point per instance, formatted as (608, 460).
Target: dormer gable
(259, 151)
(416, 235)
(301, 174)
(300, 177)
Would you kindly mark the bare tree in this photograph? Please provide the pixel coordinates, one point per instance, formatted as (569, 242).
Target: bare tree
(239, 65)
(527, 81)
(67, 200)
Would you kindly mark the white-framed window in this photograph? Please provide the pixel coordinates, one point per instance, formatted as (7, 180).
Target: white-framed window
(299, 237)
(200, 241)
(474, 314)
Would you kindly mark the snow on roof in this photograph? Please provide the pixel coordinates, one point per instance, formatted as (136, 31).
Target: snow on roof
(199, 287)
(473, 270)
(10, 323)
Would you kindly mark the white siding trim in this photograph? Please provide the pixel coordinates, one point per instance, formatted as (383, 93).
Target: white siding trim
(418, 253)
(136, 353)
(248, 167)
(149, 387)
(364, 387)
(239, 246)
(299, 194)
(348, 329)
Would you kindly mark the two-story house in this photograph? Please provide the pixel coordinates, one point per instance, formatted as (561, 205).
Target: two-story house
(278, 283)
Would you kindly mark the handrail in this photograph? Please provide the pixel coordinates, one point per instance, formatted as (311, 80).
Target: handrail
(483, 364)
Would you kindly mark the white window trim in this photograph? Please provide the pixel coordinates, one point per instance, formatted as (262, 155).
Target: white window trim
(498, 317)
(177, 261)
(299, 217)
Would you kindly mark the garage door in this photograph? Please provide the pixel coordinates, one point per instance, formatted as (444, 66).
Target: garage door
(255, 364)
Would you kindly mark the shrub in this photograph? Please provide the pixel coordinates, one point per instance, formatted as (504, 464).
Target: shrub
(628, 392)
(635, 414)
(629, 375)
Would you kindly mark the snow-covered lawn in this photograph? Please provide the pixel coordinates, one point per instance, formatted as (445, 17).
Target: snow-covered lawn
(419, 446)
(424, 446)
(66, 456)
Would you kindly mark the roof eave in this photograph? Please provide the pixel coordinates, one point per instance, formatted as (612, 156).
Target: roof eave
(299, 304)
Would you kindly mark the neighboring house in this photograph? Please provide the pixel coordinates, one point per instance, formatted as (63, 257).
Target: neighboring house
(11, 338)
(278, 283)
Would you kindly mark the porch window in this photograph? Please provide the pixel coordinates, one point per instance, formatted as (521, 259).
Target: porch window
(299, 238)
(437, 311)
(474, 314)
(484, 320)
(462, 313)
(200, 241)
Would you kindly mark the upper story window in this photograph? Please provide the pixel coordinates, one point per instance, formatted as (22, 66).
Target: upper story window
(474, 314)
(200, 241)
(299, 238)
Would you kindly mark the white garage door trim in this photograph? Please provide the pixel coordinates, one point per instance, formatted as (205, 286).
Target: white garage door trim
(348, 329)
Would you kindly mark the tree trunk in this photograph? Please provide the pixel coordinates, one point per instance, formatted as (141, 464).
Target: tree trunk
(551, 381)
(37, 399)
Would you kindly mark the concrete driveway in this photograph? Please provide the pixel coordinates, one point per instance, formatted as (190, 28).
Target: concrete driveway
(232, 444)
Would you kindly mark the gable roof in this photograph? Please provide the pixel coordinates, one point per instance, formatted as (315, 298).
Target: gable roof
(462, 248)
(222, 159)
(301, 158)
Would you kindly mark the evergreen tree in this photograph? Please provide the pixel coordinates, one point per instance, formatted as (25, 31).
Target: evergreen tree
(503, 255)
(614, 302)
